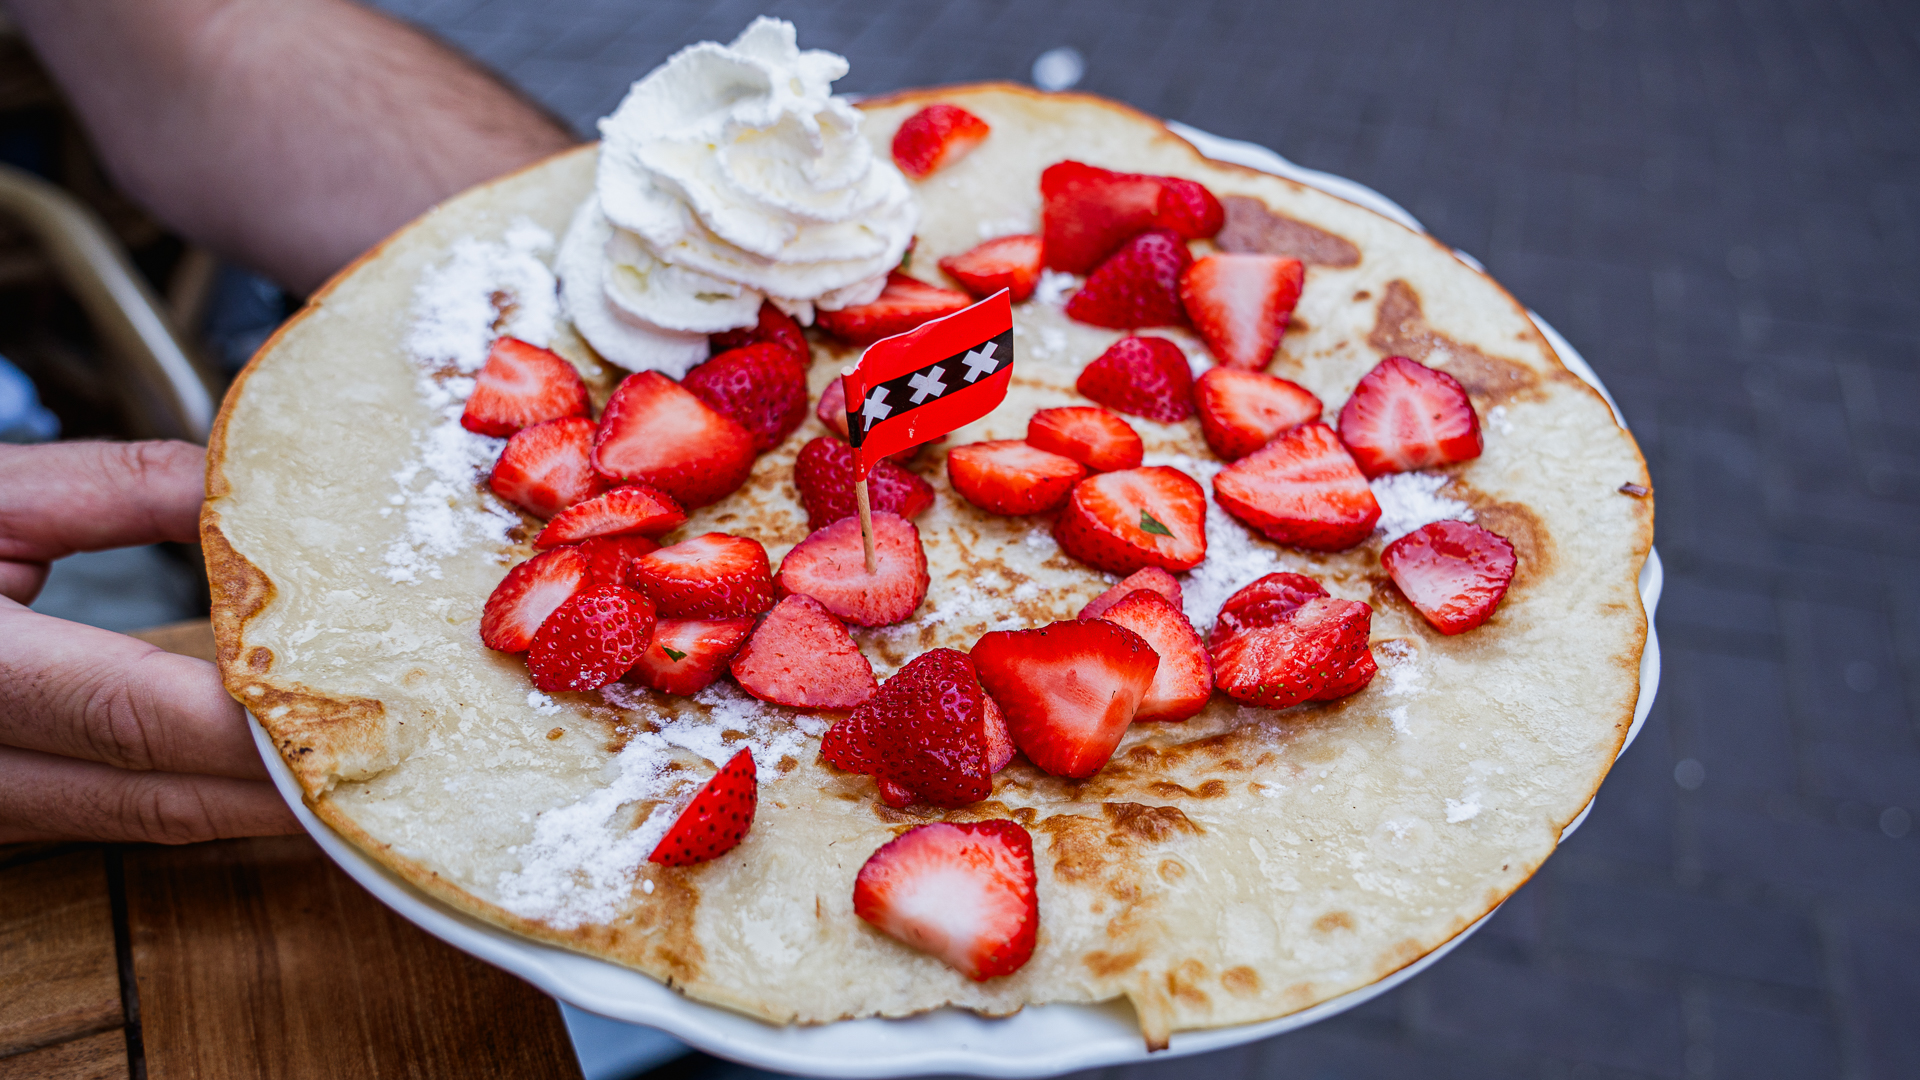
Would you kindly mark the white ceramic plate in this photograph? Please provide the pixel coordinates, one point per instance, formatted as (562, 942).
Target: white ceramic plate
(1041, 1040)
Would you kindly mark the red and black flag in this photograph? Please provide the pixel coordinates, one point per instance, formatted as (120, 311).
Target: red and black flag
(917, 386)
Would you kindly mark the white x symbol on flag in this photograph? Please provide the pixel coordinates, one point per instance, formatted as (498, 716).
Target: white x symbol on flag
(981, 362)
(927, 384)
(875, 409)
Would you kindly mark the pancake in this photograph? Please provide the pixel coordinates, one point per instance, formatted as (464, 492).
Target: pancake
(1239, 866)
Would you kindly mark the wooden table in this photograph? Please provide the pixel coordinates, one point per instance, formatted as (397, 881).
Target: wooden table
(242, 958)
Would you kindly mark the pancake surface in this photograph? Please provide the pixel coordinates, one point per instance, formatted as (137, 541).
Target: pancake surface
(1242, 865)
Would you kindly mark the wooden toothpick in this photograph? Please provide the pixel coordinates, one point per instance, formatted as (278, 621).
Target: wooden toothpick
(866, 524)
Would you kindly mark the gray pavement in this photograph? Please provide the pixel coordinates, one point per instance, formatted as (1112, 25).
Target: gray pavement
(1718, 203)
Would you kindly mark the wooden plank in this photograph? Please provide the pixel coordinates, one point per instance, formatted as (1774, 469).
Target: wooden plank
(260, 958)
(90, 1057)
(61, 978)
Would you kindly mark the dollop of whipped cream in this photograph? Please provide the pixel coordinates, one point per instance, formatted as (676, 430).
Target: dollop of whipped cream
(729, 175)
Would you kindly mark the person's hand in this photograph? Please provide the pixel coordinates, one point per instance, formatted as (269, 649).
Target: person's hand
(103, 737)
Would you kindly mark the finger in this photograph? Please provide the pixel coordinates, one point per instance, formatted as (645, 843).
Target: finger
(44, 797)
(82, 692)
(59, 498)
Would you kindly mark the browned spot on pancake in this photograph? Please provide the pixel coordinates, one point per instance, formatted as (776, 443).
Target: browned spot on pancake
(664, 919)
(1362, 295)
(1183, 983)
(259, 659)
(1212, 789)
(414, 676)
(1172, 870)
(239, 590)
(1400, 954)
(1106, 964)
(1025, 815)
(1298, 996)
(1242, 981)
(786, 764)
(1333, 920)
(916, 814)
(1401, 329)
(321, 736)
(556, 733)
(1532, 545)
(1151, 823)
(1254, 227)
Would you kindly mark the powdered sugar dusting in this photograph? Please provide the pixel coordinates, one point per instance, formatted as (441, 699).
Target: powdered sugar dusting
(1054, 288)
(455, 310)
(1236, 556)
(1410, 500)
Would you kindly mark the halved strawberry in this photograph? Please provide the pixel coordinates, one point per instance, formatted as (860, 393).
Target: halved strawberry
(716, 820)
(1093, 437)
(1138, 285)
(964, 892)
(591, 640)
(1188, 208)
(1452, 572)
(687, 655)
(528, 594)
(1406, 416)
(935, 137)
(610, 557)
(713, 576)
(905, 303)
(1151, 577)
(522, 385)
(1144, 376)
(546, 468)
(800, 655)
(1241, 410)
(1263, 603)
(1240, 305)
(761, 387)
(999, 739)
(773, 326)
(1068, 690)
(1087, 212)
(823, 473)
(1298, 657)
(1356, 678)
(925, 732)
(1301, 489)
(1007, 262)
(830, 565)
(656, 432)
(635, 509)
(1008, 476)
(1134, 518)
(1183, 683)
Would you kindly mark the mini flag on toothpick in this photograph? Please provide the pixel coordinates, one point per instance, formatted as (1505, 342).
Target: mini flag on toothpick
(917, 386)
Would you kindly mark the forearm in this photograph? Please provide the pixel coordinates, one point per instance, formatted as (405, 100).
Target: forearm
(288, 135)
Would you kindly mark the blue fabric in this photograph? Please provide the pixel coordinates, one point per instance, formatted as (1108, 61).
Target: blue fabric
(22, 418)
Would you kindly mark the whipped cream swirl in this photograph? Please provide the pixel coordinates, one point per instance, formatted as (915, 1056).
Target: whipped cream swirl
(729, 175)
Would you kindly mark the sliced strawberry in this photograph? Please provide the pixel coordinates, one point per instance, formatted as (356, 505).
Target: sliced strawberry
(1241, 410)
(1309, 649)
(925, 731)
(1188, 208)
(1123, 521)
(1452, 572)
(635, 510)
(1008, 476)
(687, 655)
(528, 594)
(1301, 489)
(520, 386)
(1138, 285)
(1406, 416)
(609, 558)
(1087, 212)
(999, 739)
(656, 432)
(1263, 603)
(1358, 675)
(830, 565)
(714, 576)
(1068, 690)
(904, 304)
(1007, 262)
(546, 468)
(1240, 305)
(832, 412)
(1183, 683)
(591, 640)
(774, 326)
(823, 473)
(935, 137)
(1093, 437)
(716, 820)
(761, 387)
(964, 893)
(1151, 577)
(800, 655)
(1144, 376)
